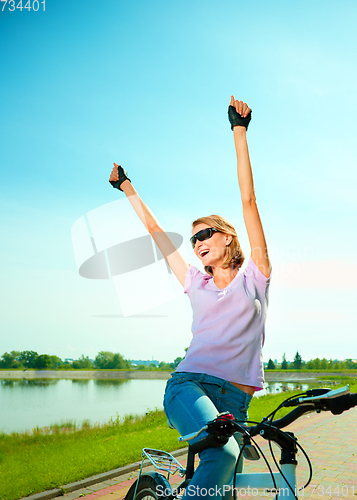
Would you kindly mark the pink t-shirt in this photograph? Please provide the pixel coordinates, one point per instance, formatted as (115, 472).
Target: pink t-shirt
(228, 326)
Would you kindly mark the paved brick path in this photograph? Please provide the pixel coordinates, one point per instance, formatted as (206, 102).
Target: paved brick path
(330, 442)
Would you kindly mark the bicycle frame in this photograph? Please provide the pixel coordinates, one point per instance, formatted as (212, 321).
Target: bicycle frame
(285, 486)
(243, 481)
(263, 480)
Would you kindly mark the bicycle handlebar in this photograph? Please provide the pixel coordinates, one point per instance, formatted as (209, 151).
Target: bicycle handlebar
(337, 401)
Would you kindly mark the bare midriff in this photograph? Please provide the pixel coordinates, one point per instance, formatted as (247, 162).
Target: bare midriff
(246, 388)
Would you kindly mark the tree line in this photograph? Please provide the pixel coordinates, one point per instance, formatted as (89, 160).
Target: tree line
(313, 364)
(105, 360)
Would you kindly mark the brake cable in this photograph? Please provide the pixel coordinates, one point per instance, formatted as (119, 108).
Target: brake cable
(279, 469)
(240, 454)
(272, 414)
(297, 444)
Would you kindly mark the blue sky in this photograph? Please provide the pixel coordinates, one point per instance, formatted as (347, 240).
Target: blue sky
(147, 84)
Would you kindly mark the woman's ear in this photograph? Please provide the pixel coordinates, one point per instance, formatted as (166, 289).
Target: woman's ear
(229, 239)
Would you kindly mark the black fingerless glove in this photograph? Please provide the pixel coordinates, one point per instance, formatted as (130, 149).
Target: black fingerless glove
(235, 118)
(123, 176)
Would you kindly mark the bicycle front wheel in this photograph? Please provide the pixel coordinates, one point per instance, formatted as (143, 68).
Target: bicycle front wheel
(149, 488)
(146, 494)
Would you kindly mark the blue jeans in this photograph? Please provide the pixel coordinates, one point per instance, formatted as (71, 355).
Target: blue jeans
(190, 401)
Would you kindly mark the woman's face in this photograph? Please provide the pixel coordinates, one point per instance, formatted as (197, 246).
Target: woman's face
(213, 250)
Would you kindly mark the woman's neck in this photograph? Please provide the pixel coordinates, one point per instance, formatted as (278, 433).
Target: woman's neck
(224, 276)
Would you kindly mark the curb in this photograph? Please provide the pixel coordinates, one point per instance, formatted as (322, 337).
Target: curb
(98, 478)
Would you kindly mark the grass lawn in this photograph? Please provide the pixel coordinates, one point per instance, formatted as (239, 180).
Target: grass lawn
(54, 456)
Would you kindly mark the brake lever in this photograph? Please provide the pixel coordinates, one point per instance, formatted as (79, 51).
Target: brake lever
(192, 435)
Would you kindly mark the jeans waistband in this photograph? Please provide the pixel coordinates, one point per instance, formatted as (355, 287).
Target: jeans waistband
(209, 379)
(200, 377)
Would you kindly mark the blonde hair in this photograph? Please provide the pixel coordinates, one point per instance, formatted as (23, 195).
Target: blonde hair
(235, 256)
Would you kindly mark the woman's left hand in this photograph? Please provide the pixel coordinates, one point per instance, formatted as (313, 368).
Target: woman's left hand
(241, 107)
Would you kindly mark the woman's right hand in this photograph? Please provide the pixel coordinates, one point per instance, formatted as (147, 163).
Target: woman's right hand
(239, 113)
(241, 107)
(117, 176)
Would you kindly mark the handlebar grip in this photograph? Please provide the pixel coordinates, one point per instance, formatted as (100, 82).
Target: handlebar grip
(341, 403)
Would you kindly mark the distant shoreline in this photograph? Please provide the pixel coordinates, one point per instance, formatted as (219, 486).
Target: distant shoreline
(85, 374)
(270, 376)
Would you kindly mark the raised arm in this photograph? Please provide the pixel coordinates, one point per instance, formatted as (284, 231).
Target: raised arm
(259, 251)
(177, 263)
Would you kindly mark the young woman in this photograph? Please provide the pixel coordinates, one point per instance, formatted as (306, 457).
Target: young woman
(223, 366)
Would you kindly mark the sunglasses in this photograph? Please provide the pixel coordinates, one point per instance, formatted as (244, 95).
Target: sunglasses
(203, 235)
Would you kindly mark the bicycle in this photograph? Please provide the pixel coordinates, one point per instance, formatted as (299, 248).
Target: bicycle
(153, 485)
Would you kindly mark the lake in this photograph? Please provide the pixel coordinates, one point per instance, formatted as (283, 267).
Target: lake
(28, 403)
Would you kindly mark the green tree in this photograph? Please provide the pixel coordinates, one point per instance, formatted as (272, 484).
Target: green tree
(165, 366)
(82, 363)
(28, 358)
(324, 364)
(350, 364)
(56, 362)
(271, 365)
(10, 360)
(103, 360)
(316, 364)
(284, 363)
(106, 360)
(43, 361)
(119, 362)
(297, 363)
(176, 362)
